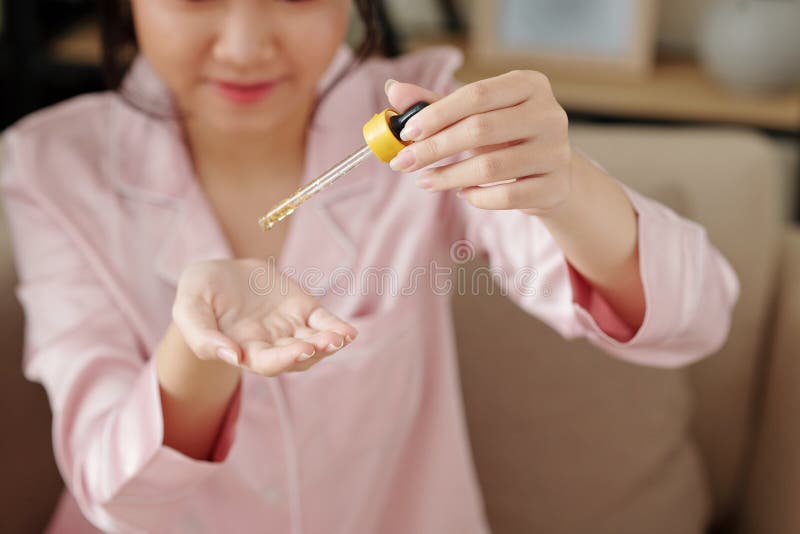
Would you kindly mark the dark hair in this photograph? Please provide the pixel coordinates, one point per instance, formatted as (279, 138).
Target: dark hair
(119, 39)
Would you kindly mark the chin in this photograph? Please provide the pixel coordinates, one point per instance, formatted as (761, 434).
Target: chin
(252, 124)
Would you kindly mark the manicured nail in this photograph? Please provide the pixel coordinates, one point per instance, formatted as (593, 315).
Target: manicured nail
(411, 131)
(331, 346)
(227, 355)
(348, 339)
(303, 356)
(404, 160)
(424, 182)
(390, 82)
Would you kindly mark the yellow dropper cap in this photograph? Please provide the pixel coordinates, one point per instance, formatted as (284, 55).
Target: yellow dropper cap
(380, 138)
(382, 134)
(382, 131)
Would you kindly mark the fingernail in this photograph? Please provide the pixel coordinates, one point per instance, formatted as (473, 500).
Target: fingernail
(424, 182)
(303, 356)
(404, 160)
(227, 355)
(411, 131)
(331, 346)
(348, 339)
(390, 82)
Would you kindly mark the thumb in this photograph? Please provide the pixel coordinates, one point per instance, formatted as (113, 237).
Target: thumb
(404, 95)
(198, 325)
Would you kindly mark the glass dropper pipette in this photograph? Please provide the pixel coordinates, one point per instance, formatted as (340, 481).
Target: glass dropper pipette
(382, 136)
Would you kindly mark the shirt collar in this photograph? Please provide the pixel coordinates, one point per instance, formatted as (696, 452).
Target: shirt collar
(148, 153)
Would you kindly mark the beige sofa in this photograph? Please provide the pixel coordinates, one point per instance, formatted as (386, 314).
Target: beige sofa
(566, 439)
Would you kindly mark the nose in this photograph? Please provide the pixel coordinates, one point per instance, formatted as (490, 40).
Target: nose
(245, 37)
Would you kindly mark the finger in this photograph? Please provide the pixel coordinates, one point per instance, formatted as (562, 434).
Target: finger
(299, 367)
(404, 95)
(500, 92)
(324, 342)
(304, 332)
(278, 324)
(312, 323)
(323, 328)
(198, 325)
(322, 319)
(529, 193)
(295, 310)
(272, 360)
(493, 128)
(509, 162)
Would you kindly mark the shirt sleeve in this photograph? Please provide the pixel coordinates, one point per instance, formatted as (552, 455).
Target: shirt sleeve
(690, 289)
(103, 390)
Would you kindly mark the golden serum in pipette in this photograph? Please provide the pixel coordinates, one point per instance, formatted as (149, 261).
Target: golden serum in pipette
(382, 136)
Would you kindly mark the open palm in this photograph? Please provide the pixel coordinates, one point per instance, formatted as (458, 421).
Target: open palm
(242, 312)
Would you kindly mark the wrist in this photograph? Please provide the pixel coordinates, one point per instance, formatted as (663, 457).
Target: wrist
(195, 395)
(568, 210)
(179, 367)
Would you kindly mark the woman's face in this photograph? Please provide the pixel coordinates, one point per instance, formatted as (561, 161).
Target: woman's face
(241, 65)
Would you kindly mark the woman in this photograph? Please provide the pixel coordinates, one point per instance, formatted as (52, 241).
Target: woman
(149, 288)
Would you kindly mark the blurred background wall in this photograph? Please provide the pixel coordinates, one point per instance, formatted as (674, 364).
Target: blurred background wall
(679, 23)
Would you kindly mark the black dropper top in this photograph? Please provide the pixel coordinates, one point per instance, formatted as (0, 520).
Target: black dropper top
(398, 122)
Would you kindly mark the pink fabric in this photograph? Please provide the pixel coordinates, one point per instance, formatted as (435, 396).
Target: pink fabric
(584, 296)
(105, 215)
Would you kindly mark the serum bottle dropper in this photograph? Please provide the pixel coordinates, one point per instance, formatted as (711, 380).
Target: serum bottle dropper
(382, 137)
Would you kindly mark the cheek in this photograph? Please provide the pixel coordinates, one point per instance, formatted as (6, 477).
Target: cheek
(173, 44)
(317, 38)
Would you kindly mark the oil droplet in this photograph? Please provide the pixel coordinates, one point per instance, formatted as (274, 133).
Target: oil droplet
(275, 216)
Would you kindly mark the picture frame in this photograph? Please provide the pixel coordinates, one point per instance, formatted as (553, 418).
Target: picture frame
(582, 38)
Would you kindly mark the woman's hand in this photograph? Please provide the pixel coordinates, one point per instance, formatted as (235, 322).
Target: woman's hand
(513, 131)
(242, 312)
(511, 126)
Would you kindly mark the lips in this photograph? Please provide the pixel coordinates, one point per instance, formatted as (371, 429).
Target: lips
(244, 93)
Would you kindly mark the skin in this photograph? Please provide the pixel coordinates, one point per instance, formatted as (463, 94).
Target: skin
(511, 125)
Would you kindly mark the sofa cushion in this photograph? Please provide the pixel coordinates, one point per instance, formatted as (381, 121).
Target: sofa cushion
(771, 500)
(567, 439)
(30, 485)
(733, 182)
